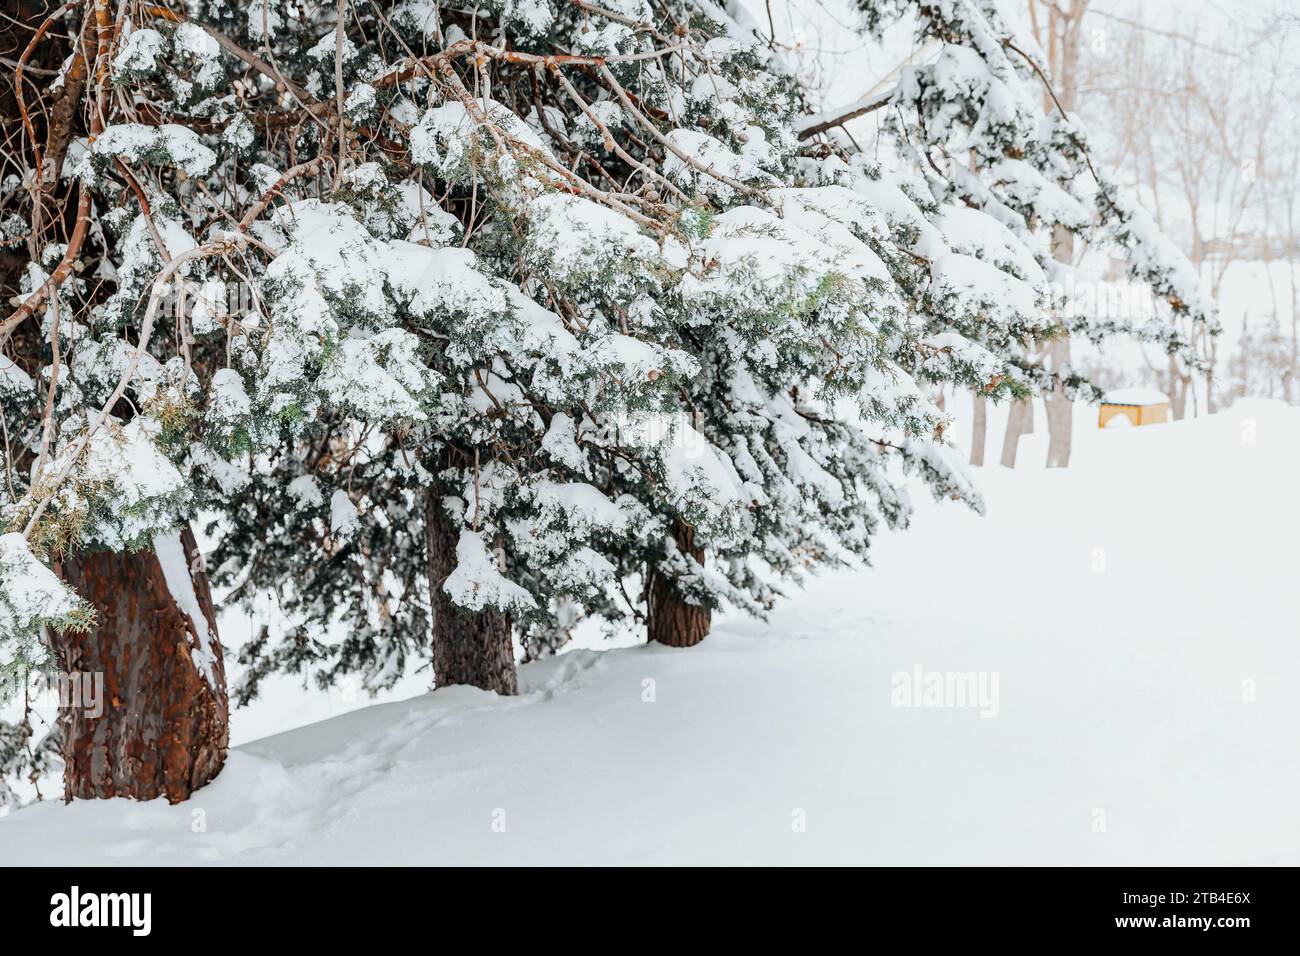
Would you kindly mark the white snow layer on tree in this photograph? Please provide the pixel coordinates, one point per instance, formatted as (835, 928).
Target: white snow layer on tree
(176, 572)
(30, 594)
(306, 492)
(446, 135)
(139, 52)
(572, 233)
(560, 443)
(696, 154)
(477, 583)
(169, 144)
(377, 376)
(13, 380)
(343, 513)
(138, 482)
(980, 287)
(699, 478)
(263, 19)
(976, 233)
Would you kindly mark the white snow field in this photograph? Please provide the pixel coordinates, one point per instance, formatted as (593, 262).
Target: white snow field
(1140, 612)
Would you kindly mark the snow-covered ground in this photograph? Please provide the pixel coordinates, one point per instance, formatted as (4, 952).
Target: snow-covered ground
(1139, 612)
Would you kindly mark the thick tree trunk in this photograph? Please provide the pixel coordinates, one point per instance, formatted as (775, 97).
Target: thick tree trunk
(980, 429)
(1060, 410)
(671, 619)
(468, 648)
(1015, 428)
(151, 719)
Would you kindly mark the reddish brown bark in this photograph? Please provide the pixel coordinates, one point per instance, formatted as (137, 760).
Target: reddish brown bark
(468, 648)
(163, 730)
(671, 619)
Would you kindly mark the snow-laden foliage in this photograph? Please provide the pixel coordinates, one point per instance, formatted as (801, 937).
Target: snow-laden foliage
(564, 275)
(1009, 178)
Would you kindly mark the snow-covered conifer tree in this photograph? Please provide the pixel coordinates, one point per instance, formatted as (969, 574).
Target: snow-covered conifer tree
(463, 325)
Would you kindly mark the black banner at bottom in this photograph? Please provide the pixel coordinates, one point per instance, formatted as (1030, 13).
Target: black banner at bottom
(328, 906)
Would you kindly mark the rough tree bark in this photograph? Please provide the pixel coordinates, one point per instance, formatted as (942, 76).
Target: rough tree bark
(671, 619)
(158, 726)
(468, 648)
(980, 429)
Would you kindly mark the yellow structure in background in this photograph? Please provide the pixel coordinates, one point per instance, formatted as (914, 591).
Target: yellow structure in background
(1133, 406)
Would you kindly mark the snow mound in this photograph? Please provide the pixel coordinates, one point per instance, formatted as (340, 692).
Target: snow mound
(1143, 714)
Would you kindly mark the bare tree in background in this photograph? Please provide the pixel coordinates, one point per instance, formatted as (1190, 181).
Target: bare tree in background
(1281, 241)
(1015, 428)
(1058, 28)
(979, 429)
(1199, 126)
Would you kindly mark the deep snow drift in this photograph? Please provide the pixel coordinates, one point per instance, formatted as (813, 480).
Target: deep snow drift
(1139, 611)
